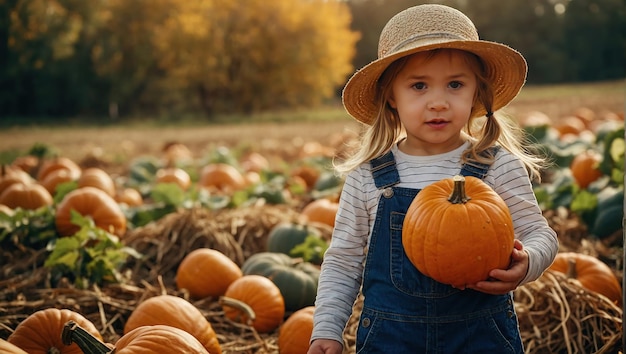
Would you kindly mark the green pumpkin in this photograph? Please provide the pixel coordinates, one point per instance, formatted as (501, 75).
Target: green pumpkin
(296, 280)
(285, 236)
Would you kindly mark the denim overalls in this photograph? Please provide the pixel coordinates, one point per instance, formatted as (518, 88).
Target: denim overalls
(405, 311)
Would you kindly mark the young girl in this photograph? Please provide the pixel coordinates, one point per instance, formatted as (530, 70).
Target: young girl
(428, 102)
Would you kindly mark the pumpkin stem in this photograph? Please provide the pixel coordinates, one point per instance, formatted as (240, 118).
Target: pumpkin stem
(239, 305)
(73, 333)
(249, 312)
(458, 195)
(571, 268)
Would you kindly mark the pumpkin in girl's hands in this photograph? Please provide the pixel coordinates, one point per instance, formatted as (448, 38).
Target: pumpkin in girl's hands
(457, 230)
(40, 333)
(592, 273)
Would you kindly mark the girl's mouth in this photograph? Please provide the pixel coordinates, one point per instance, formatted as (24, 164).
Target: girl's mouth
(437, 123)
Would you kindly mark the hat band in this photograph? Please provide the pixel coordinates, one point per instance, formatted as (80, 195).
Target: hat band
(420, 37)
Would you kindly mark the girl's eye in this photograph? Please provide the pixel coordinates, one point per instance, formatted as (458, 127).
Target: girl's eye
(419, 85)
(455, 84)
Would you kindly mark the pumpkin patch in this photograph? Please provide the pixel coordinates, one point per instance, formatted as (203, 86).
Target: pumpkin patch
(227, 257)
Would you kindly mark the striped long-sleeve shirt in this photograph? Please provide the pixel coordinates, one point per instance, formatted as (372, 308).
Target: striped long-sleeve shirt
(343, 265)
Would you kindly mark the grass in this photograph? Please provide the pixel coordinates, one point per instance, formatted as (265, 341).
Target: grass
(617, 87)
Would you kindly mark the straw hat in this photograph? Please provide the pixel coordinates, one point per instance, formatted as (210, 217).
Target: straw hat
(425, 27)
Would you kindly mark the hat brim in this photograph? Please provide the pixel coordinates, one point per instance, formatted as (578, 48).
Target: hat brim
(505, 68)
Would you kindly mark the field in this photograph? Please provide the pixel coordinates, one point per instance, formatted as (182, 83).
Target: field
(119, 143)
(556, 314)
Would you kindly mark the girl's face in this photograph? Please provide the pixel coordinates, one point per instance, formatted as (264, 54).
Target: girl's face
(433, 96)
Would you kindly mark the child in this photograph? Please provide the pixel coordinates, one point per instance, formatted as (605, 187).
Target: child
(428, 103)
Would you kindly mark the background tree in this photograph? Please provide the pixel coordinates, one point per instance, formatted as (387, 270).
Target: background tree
(76, 58)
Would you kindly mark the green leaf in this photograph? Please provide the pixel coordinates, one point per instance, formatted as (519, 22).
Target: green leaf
(168, 193)
(65, 252)
(28, 228)
(62, 189)
(584, 202)
(145, 214)
(91, 255)
(311, 250)
(616, 149)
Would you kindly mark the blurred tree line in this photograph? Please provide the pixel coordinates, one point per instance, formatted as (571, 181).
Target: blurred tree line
(121, 58)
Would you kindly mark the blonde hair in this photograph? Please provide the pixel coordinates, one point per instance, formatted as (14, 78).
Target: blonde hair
(482, 132)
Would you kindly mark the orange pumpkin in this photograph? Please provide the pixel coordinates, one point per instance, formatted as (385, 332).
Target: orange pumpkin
(206, 272)
(254, 162)
(40, 333)
(174, 175)
(570, 125)
(309, 174)
(585, 169)
(175, 153)
(56, 177)
(97, 178)
(26, 196)
(9, 176)
(321, 210)
(177, 312)
(221, 176)
(8, 348)
(58, 163)
(26, 163)
(144, 339)
(262, 296)
(129, 196)
(92, 202)
(295, 334)
(592, 273)
(457, 230)
(160, 339)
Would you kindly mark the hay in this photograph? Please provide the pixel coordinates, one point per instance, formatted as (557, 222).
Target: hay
(558, 315)
(238, 233)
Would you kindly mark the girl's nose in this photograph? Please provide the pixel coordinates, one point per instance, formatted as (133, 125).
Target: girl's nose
(438, 104)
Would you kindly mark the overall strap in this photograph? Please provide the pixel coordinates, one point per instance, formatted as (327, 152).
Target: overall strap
(477, 169)
(384, 171)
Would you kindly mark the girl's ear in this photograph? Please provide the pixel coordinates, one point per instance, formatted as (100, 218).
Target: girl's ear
(392, 102)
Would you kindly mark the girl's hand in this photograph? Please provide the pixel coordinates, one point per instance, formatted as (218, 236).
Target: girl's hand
(325, 346)
(503, 281)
